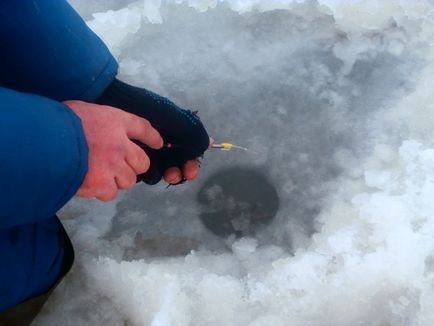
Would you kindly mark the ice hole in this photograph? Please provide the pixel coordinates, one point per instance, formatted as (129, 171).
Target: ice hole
(237, 201)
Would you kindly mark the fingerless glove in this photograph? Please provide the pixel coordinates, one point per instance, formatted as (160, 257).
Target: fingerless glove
(182, 131)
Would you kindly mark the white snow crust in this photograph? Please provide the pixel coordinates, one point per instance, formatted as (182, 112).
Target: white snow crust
(336, 98)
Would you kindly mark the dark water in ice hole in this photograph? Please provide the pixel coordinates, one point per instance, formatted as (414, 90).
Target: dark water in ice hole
(237, 201)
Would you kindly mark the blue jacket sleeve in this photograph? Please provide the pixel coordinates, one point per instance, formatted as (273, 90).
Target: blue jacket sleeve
(47, 49)
(43, 160)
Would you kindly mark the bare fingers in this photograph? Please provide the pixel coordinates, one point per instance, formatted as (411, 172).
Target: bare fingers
(173, 175)
(189, 172)
(190, 169)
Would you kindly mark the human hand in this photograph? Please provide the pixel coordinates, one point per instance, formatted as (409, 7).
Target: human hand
(179, 128)
(114, 159)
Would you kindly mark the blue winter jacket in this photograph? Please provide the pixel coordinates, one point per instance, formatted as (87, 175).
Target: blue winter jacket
(47, 55)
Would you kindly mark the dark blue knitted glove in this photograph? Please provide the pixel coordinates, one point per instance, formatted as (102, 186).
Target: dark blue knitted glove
(180, 128)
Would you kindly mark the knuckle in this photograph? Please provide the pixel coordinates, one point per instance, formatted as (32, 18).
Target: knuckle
(102, 182)
(108, 196)
(146, 124)
(116, 150)
(112, 162)
(143, 163)
(130, 180)
(126, 181)
(143, 126)
(115, 155)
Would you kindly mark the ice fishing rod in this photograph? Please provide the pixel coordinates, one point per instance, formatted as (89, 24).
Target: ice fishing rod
(221, 146)
(227, 146)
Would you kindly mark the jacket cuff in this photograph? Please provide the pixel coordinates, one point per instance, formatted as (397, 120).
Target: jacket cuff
(102, 81)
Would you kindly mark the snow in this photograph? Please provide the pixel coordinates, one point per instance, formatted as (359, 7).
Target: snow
(335, 99)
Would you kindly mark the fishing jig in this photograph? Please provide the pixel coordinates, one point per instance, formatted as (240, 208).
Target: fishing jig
(227, 147)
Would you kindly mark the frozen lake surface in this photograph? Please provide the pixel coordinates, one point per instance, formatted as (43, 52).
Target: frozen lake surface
(328, 220)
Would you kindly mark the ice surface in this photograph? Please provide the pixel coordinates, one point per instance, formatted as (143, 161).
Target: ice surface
(336, 99)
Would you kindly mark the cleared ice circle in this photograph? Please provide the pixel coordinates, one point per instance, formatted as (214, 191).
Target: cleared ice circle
(328, 220)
